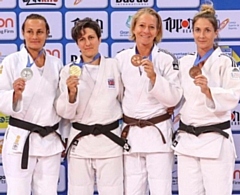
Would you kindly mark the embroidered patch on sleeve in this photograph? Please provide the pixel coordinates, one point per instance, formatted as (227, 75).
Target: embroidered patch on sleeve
(235, 74)
(1, 68)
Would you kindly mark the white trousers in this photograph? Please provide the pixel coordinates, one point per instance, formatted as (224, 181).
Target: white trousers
(108, 173)
(41, 177)
(143, 170)
(204, 176)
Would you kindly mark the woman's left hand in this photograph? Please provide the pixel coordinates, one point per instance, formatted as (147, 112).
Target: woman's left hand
(149, 69)
(202, 82)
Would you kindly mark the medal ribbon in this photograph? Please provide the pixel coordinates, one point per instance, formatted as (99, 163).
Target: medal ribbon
(30, 64)
(144, 57)
(81, 63)
(198, 59)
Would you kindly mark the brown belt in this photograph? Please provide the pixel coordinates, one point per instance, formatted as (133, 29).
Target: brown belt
(143, 123)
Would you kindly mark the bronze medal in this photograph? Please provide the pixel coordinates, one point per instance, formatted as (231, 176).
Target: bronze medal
(136, 60)
(26, 74)
(75, 70)
(195, 71)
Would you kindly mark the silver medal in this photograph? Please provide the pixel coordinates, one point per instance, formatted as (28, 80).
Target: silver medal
(27, 73)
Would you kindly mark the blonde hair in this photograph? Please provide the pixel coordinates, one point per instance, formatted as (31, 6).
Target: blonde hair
(208, 12)
(151, 12)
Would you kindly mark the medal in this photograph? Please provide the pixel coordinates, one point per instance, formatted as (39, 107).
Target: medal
(136, 60)
(75, 70)
(195, 71)
(26, 74)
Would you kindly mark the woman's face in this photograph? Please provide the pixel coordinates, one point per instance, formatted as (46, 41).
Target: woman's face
(35, 34)
(145, 29)
(89, 43)
(204, 34)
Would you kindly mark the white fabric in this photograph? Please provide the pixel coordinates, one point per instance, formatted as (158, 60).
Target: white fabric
(41, 176)
(108, 173)
(207, 176)
(142, 100)
(198, 110)
(154, 166)
(96, 103)
(36, 106)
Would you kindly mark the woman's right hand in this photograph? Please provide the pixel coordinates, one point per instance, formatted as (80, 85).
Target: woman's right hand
(72, 83)
(18, 87)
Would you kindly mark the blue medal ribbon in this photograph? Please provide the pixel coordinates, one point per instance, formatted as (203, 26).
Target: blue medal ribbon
(200, 59)
(81, 63)
(144, 57)
(30, 64)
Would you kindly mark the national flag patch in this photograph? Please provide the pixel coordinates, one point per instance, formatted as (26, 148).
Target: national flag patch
(111, 83)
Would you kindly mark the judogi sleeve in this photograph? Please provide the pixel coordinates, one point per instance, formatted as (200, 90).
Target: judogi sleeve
(64, 108)
(167, 88)
(6, 87)
(226, 96)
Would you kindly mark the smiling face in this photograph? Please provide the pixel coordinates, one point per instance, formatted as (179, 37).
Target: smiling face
(204, 34)
(88, 43)
(35, 34)
(145, 29)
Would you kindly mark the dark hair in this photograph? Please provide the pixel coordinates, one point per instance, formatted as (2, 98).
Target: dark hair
(80, 25)
(152, 12)
(36, 16)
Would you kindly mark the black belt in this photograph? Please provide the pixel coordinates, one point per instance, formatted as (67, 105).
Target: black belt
(98, 129)
(42, 131)
(206, 129)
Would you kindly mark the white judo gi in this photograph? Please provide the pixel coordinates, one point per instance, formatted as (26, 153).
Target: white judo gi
(97, 102)
(149, 161)
(37, 107)
(206, 162)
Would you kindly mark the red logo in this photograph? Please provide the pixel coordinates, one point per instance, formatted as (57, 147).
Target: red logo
(6, 22)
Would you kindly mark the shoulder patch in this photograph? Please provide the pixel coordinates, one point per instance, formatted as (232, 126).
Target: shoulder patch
(175, 60)
(234, 63)
(235, 74)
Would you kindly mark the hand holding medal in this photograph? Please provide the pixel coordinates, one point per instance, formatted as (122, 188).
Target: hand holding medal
(195, 71)
(75, 71)
(136, 60)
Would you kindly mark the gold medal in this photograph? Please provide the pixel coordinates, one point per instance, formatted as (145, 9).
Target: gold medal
(75, 70)
(136, 60)
(195, 71)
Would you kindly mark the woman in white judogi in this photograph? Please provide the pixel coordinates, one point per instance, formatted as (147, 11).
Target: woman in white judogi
(28, 89)
(90, 92)
(151, 85)
(211, 84)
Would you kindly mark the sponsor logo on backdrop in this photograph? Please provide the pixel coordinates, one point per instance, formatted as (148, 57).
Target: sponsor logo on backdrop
(40, 2)
(178, 25)
(121, 22)
(76, 2)
(86, 3)
(3, 184)
(101, 17)
(54, 49)
(55, 27)
(132, 3)
(177, 3)
(100, 22)
(235, 118)
(228, 23)
(8, 25)
(236, 177)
